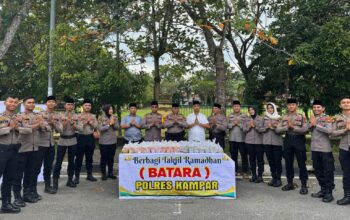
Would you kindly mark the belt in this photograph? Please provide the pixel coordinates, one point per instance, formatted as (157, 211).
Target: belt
(85, 135)
(176, 133)
(68, 136)
(10, 146)
(295, 136)
(219, 133)
(132, 141)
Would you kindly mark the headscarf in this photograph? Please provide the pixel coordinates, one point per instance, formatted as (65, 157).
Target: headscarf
(253, 116)
(106, 108)
(275, 114)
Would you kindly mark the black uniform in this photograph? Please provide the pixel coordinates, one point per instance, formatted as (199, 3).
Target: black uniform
(9, 146)
(294, 144)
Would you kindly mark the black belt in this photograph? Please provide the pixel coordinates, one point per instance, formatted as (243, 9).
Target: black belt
(295, 136)
(177, 133)
(85, 135)
(10, 146)
(68, 136)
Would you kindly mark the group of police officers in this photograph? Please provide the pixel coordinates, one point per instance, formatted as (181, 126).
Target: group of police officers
(27, 143)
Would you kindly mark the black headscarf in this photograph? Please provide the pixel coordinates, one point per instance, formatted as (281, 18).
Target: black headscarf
(106, 108)
(253, 116)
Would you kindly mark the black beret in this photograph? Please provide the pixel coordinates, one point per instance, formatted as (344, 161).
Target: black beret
(291, 100)
(87, 101)
(132, 105)
(317, 102)
(236, 102)
(196, 102)
(69, 100)
(51, 97)
(154, 103)
(175, 105)
(217, 105)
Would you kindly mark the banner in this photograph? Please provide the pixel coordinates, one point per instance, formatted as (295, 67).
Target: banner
(176, 175)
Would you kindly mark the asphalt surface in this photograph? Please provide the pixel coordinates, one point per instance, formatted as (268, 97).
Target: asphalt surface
(99, 200)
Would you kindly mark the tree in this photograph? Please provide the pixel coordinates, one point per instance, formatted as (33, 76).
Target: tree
(161, 32)
(200, 12)
(314, 35)
(14, 24)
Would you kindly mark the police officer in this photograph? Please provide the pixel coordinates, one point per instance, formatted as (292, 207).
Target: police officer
(295, 126)
(237, 137)
(218, 126)
(321, 149)
(341, 128)
(46, 142)
(152, 123)
(28, 156)
(86, 142)
(107, 125)
(175, 124)
(253, 140)
(67, 142)
(132, 125)
(9, 146)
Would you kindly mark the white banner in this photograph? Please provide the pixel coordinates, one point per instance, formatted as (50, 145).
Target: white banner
(176, 175)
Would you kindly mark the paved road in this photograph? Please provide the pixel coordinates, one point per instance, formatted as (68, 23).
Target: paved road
(255, 201)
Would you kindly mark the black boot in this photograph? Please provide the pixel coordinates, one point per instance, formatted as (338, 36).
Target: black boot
(35, 194)
(7, 207)
(303, 189)
(253, 179)
(259, 179)
(55, 184)
(110, 175)
(70, 182)
(288, 187)
(90, 177)
(104, 175)
(272, 182)
(328, 197)
(76, 178)
(345, 200)
(278, 183)
(28, 196)
(319, 194)
(18, 200)
(48, 189)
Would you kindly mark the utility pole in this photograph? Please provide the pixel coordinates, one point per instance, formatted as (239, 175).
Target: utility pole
(52, 28)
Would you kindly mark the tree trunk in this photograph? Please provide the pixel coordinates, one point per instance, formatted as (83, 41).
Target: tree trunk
(156, 88)
(220, 90)
(119, 116)
(287, 84)
(12, 29)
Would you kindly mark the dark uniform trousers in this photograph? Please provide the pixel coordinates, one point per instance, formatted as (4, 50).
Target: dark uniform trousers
(86, 146)
(61, 151)
(8, 168)
(274, 157)
(256, 157)
(47, 156)
(344, 158)
(295, 145)
(241, 147)
(26, 164)
(219, 138)
(323, 164)
(126, 141)
(175, 136)
(107, 157)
